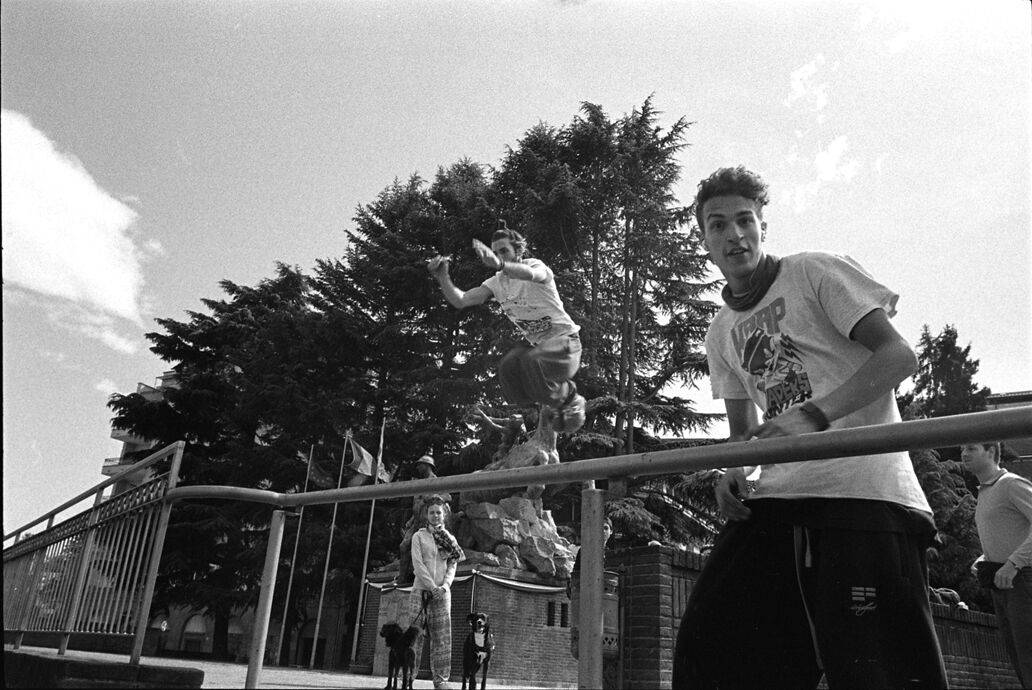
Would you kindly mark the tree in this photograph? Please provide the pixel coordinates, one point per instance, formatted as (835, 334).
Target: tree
(256, 385)
(944, 383)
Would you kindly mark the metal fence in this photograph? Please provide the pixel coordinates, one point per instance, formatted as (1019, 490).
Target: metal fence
(37, 592)
(95, 572)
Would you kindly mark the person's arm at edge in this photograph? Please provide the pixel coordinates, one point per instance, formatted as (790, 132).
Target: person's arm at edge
(892, 360)
(741, 418)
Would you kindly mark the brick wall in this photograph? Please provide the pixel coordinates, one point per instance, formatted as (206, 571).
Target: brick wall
(656, 582)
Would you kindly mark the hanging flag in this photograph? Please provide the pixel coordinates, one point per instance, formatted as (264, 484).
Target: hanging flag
(362, 460)
(382, 475)
(365, 464)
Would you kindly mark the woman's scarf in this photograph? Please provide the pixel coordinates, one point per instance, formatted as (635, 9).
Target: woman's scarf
(762, 278)
(447, 546)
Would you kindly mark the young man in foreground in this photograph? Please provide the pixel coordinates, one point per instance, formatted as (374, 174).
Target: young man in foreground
(822, 567)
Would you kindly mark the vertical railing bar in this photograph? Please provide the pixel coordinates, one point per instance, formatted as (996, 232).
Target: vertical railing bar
(158, 544)
(589, 670)
(98, 567)
(110, 567)
(112, 562)
(82, 583)
(125, 528)
(130, 554)
(127, 554)
(41, 618)
(12, 586)
(68, 570)
(143, 564)
(29, 598)
(260, 632)
(35, 614)
(32, 591)
(82, 565)
(94, 571)
(144, 538)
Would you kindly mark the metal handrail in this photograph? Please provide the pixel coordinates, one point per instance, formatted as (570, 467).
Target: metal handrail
(975, 427)
(92, 491)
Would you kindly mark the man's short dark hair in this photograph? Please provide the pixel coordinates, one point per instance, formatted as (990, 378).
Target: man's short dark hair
(737, 181)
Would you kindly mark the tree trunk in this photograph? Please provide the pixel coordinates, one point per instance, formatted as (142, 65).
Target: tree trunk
(220, 636)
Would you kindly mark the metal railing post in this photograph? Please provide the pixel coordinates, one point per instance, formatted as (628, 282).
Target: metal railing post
(143, 615)
(260, 632)
(589, 669)
(81, 578)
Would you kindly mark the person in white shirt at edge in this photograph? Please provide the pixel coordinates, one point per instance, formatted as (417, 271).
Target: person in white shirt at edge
(435, 555)
(542, 371)
(821, 568)
(1003, 517)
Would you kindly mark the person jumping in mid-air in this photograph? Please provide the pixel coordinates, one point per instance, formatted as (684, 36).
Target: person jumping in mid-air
(541, 370)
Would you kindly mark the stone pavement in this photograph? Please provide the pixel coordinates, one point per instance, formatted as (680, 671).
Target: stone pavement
(219, 674)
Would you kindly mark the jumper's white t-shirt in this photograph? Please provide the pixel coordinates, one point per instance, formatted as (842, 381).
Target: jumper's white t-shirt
(794, 345)
(535, 308)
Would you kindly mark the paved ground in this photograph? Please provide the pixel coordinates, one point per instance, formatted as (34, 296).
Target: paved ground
(226, 675)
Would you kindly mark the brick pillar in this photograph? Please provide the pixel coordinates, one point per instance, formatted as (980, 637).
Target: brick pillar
(646, 602)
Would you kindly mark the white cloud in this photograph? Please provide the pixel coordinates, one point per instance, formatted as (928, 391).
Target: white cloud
(106, 386)
(93, 324)
(64, 236)
(830, 165)
(804, 88)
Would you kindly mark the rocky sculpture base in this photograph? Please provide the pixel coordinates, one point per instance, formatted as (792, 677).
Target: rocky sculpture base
(513, 533)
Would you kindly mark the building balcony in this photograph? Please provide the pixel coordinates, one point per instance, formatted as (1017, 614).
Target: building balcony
(125, 436)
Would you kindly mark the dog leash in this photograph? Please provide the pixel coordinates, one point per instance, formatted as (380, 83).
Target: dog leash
(426, 597)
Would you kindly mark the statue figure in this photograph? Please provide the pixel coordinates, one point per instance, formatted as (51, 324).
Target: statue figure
(425, 468)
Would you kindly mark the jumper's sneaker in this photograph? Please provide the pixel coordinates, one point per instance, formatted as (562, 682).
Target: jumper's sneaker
(569, 416)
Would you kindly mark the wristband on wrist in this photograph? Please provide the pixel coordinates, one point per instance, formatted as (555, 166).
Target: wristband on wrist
(814, 413)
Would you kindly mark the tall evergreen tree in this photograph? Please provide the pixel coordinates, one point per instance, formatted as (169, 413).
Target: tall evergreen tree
(259, 378)
(944, 383)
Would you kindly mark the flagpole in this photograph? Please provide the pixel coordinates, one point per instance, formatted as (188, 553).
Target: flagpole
(365, 559)
(293, 559)
(326, 567)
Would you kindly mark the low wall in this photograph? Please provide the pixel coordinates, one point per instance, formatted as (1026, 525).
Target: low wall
(30, 669)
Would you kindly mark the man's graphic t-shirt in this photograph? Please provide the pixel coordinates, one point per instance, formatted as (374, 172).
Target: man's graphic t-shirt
(535, 308)
(794, 345)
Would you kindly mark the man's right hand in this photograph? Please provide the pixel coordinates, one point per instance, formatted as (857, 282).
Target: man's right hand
(438, 266)
(730, 490)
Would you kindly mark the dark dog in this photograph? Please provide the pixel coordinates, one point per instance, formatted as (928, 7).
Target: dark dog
(402, 655)
(476, 654)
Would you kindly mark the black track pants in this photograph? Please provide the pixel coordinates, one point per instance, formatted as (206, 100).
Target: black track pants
(866, 619)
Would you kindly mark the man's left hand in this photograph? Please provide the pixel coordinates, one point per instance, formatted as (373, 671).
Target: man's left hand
(1004, 578)
(788, 423)
(486, 256)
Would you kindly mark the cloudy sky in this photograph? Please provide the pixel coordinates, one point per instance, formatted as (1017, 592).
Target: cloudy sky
(151, 149)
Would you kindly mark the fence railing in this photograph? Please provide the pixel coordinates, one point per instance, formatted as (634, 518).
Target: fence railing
(29, 565)
(95, 572)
